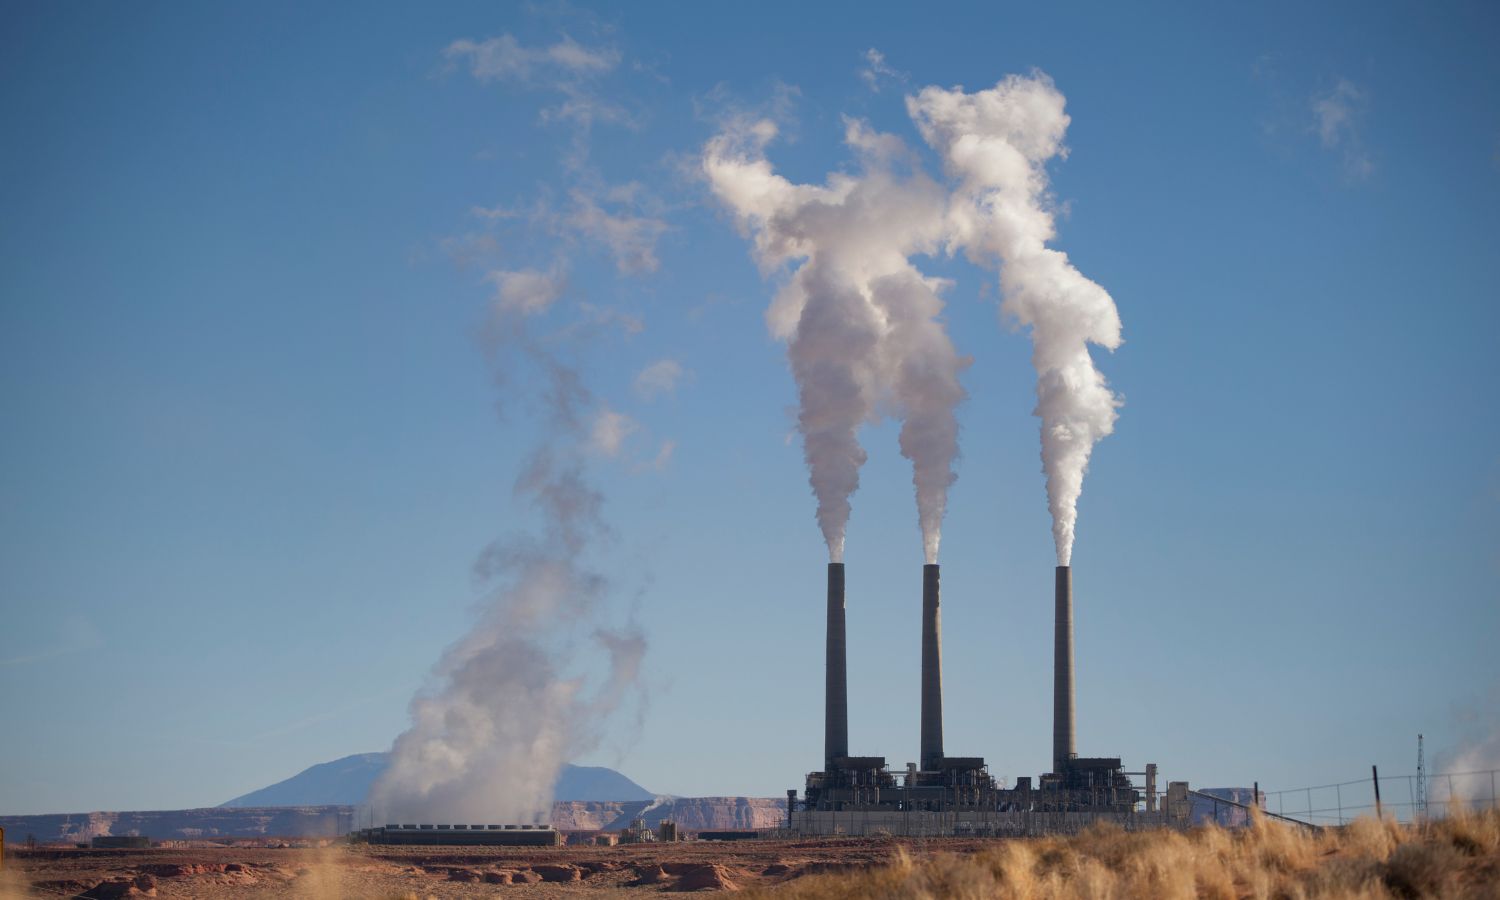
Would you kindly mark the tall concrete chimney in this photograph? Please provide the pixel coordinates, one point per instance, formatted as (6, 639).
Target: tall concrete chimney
(1064, 742)
(932, 670)
(836, 688)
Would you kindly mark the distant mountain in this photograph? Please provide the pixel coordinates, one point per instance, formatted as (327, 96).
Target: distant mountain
(347, 781)
(343, 782)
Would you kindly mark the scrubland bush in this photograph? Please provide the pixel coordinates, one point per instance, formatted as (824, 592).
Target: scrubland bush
(1457, 857)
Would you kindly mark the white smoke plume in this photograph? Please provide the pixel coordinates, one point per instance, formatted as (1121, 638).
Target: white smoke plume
(996, 143)
(860, 320)
(1471, 775)
(513, 699)
(1468, 774)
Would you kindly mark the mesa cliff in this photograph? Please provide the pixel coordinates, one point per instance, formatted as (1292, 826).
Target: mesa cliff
(215, 823)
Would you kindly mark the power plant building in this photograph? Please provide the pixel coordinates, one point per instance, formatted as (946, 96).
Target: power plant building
(948, 795)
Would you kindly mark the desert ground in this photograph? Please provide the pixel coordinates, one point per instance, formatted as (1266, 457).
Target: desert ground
(364, 871)
(1457, 857)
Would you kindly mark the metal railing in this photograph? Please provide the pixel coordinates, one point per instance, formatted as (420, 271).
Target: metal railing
(1216, 801)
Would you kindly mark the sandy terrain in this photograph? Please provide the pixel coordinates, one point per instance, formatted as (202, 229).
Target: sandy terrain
(1458, 857)
(381, 872)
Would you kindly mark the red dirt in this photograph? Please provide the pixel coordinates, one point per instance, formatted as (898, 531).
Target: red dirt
(441, 872)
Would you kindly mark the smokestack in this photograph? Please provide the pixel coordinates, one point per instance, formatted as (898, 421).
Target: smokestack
(932, 670)
(1064, 743)
(836, 690)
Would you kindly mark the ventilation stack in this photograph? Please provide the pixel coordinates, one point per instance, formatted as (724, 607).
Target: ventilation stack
(836, 689)
(932, 670)
(1064, 735)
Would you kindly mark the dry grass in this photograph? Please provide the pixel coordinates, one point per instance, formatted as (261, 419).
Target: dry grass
(1456, 857)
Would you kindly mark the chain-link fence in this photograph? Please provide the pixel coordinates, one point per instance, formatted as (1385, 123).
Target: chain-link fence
(1405, 798)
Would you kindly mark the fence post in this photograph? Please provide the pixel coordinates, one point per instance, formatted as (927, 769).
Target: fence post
(1338, 792)
(1375, 777)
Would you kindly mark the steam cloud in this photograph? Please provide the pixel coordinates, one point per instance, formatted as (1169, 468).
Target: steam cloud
(1467, 775)
(997, 143)
(862, 323)
(1473, 773)
(536, 678)
(508, 705)
(859, 319)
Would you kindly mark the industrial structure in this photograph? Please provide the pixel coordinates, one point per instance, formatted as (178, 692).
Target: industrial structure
(461, 835)
(942, 794)
(120, 842)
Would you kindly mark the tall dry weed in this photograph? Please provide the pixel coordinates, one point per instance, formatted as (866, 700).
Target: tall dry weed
(1473, 834)
(1367, 860)
(1366, 836)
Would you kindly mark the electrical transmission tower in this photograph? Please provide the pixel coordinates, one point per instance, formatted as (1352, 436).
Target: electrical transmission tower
(1421, 781)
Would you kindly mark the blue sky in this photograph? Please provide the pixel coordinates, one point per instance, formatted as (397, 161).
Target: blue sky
(252, 444)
